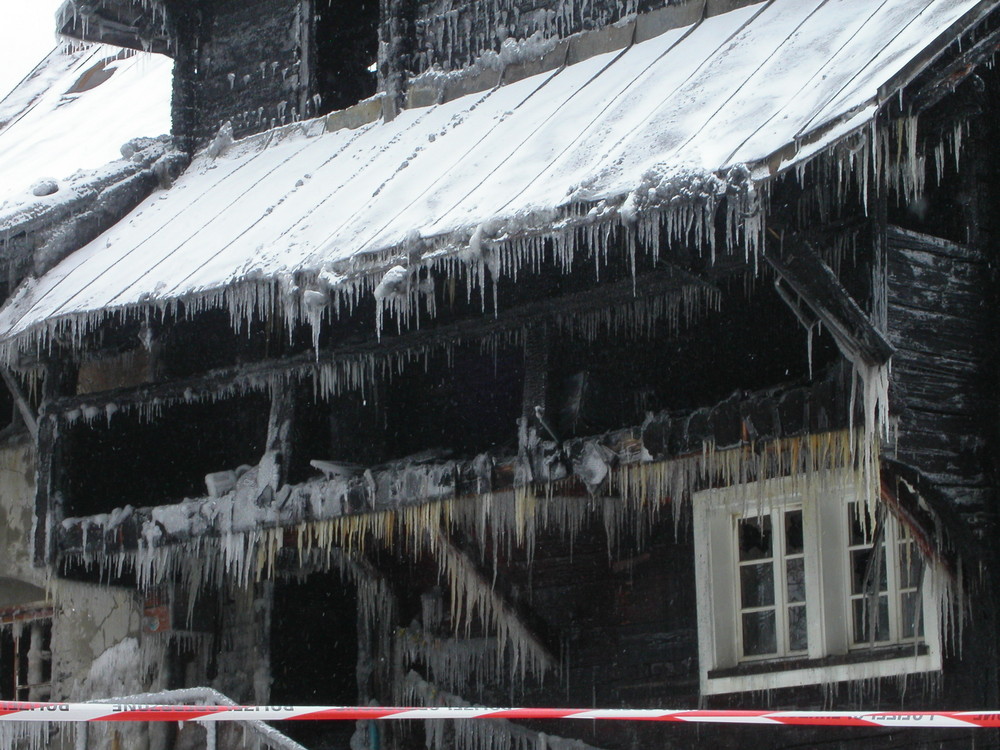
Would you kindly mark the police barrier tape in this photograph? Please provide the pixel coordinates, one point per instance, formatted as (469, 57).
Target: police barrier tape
(77, 712)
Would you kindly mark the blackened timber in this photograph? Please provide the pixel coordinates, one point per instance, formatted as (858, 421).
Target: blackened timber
(954, 73)
(118, 23)
(938, 301)
(278, 454)
(23, 407)
(42, 542)
(536, 374)
(818, 287)
(504, 610)
(279, 372)
(773, 414)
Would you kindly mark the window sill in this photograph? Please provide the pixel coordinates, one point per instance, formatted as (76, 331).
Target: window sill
(862, 664)
(858, 656)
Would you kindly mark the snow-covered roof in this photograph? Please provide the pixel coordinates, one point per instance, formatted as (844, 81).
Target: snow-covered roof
(76, 108)
(674, 122)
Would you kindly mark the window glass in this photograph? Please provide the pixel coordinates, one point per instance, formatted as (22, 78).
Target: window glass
(772, 592)
(885, 569)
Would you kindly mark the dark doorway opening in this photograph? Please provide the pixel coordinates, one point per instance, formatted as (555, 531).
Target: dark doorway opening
(314, 647)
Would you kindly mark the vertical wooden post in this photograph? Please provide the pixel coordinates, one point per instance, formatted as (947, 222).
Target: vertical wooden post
(45, 463)
(536, 371)
(275, 463)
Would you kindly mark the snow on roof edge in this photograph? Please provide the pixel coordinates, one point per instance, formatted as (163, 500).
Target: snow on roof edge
(491, 244)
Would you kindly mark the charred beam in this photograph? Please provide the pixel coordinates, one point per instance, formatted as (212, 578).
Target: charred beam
(279, 372)
(45, 467)
(815, 283)
(946, 80)
(463, 570)
(20, 400)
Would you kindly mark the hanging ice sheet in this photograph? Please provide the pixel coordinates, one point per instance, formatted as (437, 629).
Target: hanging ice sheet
(623, 135)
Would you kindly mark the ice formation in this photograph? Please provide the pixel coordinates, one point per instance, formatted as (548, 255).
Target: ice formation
(489, 734)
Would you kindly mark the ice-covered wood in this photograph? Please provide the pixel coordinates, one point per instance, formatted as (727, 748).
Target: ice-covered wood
(818, 287)
(941, 375)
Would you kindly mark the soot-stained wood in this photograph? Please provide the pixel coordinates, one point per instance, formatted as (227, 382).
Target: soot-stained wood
(939, 322)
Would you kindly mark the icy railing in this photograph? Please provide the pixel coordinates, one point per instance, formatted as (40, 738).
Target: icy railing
(264, 734)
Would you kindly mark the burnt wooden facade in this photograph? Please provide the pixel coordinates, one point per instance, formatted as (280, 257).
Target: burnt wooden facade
(499, 505)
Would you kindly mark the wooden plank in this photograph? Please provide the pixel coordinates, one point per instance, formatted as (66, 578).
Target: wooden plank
(909, 239)
(23, 407)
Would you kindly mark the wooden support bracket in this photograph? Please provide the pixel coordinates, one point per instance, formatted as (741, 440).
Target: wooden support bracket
(461, 568)
(815, 283)
(30, 421)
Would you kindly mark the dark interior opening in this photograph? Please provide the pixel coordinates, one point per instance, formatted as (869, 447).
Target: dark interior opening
(346, 52)
(751, 343)
(460, 405)
(131, 461)
(8, 669)
(314, 644)
(467, 403)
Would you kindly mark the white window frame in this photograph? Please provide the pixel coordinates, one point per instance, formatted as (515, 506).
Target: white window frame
(832, 656)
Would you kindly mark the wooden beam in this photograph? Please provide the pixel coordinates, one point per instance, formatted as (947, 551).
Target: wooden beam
(537, 345)
(21, 401)
(819, 289)
(43, 543)
(259, 375)
(273, 466)
(946, 80)
(461, 569)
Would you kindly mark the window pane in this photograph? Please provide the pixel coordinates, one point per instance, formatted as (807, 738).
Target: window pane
(865, 564)
(911, 622)
(798, 639)
(755, 538)
(758, 633)
(861, 528)
(909, 566)
(864, 617)
(757, 585)
(793, 532)
(795, 573)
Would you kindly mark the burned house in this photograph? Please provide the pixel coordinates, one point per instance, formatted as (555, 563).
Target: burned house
(552, 354)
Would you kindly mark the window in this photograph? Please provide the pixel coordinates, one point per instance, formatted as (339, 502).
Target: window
(798, 585)
(25, 654)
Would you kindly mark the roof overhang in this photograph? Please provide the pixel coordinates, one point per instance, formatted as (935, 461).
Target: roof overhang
(649, 141)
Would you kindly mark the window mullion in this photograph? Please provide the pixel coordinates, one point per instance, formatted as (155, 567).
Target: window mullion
(891, 562)
(780, 582)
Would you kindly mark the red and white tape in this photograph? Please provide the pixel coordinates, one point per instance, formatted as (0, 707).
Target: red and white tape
(71, 712)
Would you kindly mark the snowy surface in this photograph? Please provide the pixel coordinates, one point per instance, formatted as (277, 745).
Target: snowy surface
(623, 134)
(27, 34)
(75, 110)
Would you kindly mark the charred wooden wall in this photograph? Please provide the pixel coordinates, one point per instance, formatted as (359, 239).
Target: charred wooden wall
(237, 61)
(941, 324)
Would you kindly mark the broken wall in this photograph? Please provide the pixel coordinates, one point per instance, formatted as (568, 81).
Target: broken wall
(96, 647)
